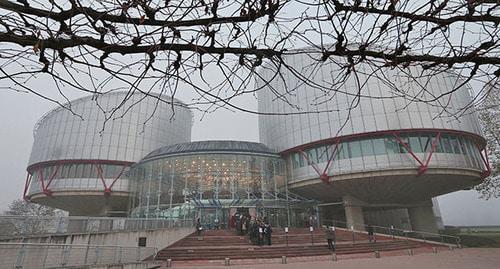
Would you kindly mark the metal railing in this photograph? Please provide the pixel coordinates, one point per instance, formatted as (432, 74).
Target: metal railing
(27, 226)
(396, 232)
(34, 255)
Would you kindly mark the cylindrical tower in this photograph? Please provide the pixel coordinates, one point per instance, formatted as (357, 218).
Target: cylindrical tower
(79, 161)
(385, 152)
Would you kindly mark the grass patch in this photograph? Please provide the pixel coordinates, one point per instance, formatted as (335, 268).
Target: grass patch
(480, 240)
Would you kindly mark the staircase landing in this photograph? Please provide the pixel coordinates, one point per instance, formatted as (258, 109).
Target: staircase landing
(216, 245)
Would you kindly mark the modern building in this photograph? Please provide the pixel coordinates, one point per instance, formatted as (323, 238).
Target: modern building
(371, 160)
(80, 158)
(377, 157)
(214, 180)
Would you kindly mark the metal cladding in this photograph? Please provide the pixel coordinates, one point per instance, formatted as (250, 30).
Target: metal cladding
(389, 137)
(213, 146)
(88, 153)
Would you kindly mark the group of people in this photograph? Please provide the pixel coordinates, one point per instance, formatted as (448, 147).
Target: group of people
(260, 232)
(241, 222)
(258, 229)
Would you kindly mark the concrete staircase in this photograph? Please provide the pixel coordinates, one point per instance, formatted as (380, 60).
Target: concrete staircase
(221, 244)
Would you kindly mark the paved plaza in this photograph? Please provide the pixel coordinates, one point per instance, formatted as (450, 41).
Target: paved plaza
(469, 258)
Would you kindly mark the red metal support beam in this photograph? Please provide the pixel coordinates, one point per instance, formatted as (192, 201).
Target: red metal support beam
(100, 173)
(46, 182)
(475, 137)
(47, 190)
(101, 176)
(408, 149)
(323, 175)
(424, 168)
(423, 164)
(487, 172)
(108, 190)
(27, 184)
(311, 163)
(46, 187)
(41, 179)
(332, 157)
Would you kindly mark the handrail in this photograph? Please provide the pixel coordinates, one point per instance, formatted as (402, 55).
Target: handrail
(63, 245)
(30, 226)
(52, 255)
(392, 231)
(82, 218)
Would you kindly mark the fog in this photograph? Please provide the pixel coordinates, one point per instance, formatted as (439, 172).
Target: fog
(20, 111)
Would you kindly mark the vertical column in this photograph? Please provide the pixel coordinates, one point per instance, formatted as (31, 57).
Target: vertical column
(171, 189)
(148, 193)
(422, 218)
(158, 190)
(353, 212)
(263, 188)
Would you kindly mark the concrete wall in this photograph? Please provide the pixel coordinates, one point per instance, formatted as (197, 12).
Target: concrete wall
(143, 265)
(159, 238)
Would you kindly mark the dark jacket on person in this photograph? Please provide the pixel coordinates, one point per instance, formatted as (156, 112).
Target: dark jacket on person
(370, 230)
(330, 234)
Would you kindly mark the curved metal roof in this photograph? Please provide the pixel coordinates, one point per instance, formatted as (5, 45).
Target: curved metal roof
(211, 146)
(92, 97)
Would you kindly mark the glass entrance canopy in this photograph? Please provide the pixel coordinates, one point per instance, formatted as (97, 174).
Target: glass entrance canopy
(183, 181)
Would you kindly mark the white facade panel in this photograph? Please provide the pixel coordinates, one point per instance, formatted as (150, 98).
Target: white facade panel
(61, 135)
(390, 111)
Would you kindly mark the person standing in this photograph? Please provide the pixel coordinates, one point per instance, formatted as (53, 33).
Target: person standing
(268, 231)
(261, 234)
(330, 237)
(370, 231)
(198, 227)
(244, 226)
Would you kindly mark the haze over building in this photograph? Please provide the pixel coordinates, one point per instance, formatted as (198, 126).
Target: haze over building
(380, 162)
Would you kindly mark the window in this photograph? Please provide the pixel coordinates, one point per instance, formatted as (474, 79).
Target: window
(343, 151)
(454, 145)
(311, 154)
(415, 144)
(445, 142)
(295, 160)
(462, 145)
(388, 145)
(324, 152)
(439, 147)
(402, 148)
(391, 145)
(367, 147)
(379, 146)
(354, 149)
(426, 142)
(142, 242)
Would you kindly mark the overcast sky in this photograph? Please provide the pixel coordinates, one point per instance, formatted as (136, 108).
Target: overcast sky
(19, 112)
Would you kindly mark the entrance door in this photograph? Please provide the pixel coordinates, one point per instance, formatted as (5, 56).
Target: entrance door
(214, 218)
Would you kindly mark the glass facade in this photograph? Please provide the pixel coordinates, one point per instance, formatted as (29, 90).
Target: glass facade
(389, 145)
(213, 185)
(80, 177)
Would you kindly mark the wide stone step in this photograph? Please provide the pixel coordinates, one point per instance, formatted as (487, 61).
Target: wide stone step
(277, 239)
(278, 251)
(274, 254)
(220, 244)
